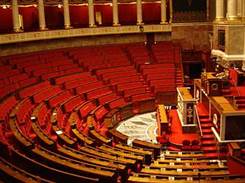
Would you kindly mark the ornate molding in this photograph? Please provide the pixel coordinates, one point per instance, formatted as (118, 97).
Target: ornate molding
(57, 34)
(227, 57)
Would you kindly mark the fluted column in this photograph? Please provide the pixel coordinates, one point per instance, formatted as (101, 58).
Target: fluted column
(239, 8)
(232, 10)
(15, 16)
(163, 12)
(219, 10)
(67, 22)
(139, 12)
(171, 11)
(243, 11)
(91, 13)
(115, 13)
(41, 15)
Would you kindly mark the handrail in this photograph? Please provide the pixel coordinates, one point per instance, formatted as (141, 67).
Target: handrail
(198, 120)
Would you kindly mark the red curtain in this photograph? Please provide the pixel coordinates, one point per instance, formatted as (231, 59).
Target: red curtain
(6, 24)
(151, 13)
(127, 14)
(106, 12)
(54, 17)
(30, 18)
(79, 16)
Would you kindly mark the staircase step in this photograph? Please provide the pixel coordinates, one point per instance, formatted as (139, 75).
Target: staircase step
(241, 105)
(209, 148)
(207, 131)
(206, 125)
(239, 97)
(240, 101)
(208, 136)
(208, 142)
(205, 120)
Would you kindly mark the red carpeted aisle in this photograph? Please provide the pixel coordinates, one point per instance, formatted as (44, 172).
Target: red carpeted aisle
(177, 136)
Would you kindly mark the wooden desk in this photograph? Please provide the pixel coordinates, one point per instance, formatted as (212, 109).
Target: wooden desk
(107, 155)
(41, 135)
(118, 137)
(83, 138)
(19, 174)
(99, 137)
(99, 172)
(147, 145)
(121, 153)
(18, 134)
(87, 159)
(183, 173)
(61, 135)
(162, 119)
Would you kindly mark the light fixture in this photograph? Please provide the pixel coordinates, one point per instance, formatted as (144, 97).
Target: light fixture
(59, 5)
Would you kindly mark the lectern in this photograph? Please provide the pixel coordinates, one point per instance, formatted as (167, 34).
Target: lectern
(186, 109)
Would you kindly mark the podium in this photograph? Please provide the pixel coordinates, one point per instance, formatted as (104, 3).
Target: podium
(212, 84)
(186, 109)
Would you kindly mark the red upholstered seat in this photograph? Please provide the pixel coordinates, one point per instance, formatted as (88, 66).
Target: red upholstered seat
(186, 145)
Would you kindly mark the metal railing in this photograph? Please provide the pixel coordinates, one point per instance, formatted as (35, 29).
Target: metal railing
(198, 121)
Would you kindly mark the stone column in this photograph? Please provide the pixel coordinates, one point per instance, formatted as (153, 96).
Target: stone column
(67, 22)
(115, 13)
(243, 11)
(41, 15)
(91, 13)
(232, 10)
(171, 11)
(139, 12)
(15, 16)
(239, 8)
(163, 12)
(219, 10)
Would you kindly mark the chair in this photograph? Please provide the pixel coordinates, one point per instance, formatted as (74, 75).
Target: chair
(186, 145)
(195, 145)
(163, 139)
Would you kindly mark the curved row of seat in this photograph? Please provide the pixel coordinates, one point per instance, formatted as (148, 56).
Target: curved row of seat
(59, 129)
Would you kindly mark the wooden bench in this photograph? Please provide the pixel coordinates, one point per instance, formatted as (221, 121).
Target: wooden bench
(107, 155)
(122, 153)
(148, 145)
(42, 169)
(148, 178)
(65, 163)
(83, 158)
(23, 140)
(11, 173)
(183, 172)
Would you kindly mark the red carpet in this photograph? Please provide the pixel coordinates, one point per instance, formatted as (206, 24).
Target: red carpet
(177, 136)
(202, 111)
(235, 167)
(238, 91)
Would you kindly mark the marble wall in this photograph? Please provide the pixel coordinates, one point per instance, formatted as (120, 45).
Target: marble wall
(192, 36)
